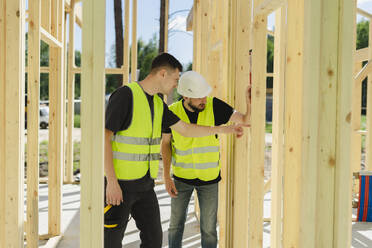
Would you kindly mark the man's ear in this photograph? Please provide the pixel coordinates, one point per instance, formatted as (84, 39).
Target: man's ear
(163, 72)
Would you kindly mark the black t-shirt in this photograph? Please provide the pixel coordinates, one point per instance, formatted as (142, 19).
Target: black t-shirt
(222, 113)
(119, 112)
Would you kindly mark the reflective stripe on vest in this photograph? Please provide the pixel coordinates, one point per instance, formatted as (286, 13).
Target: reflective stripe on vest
(137, 149)
(195, 157)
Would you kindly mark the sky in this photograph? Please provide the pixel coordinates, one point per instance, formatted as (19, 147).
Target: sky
(179, 41)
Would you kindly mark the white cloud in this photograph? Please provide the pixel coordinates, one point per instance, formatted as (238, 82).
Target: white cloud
(178, 23)
(363, 1)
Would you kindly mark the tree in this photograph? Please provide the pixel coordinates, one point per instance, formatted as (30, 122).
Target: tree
(146, 52)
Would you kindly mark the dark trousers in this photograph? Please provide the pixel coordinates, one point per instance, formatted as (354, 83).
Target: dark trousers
(144, 208)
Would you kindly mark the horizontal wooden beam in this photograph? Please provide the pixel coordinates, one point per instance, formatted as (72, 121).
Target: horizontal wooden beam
(267, 186)
(367, 69)
(189, 19)
(364, 13)
(362, 132)
(361, 55)
(53, 242)
(268, 6)
(79, 15)
(49, 39)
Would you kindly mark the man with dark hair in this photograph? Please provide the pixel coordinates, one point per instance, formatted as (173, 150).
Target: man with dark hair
(135, 116)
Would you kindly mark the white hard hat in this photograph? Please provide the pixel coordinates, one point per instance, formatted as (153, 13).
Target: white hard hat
(193, 85)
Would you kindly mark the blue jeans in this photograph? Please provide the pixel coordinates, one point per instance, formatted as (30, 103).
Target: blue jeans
(208, 202)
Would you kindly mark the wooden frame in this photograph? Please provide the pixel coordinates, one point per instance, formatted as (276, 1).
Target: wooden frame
(92, 124)
(311, 78)
(12, 59)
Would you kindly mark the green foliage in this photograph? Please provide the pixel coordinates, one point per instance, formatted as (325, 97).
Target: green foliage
(362, 34)
(77, 121)
(270, 60)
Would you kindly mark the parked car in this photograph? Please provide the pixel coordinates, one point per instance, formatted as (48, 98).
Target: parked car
(44, 117)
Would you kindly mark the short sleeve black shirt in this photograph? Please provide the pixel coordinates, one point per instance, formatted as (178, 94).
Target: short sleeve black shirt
(222, 113)
(119, 112)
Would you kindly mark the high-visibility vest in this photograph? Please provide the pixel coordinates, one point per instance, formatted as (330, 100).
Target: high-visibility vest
(137, 149)
(195, 157)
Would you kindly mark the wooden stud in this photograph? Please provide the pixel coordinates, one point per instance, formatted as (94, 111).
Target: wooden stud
(126, 45)
(12, 59)
(71, 95)
(356, 139)
(317, 172)
(134, 42)
(343, 175)
(166, 25)
(293, 124)
(56, 144)
(46, 14)
(323, 223)
(368, 148)
(197, 36)
(257, 141)
(92, 123)
(278, 129)
(33, 96)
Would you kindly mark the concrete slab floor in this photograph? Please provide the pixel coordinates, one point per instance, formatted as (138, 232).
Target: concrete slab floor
(361, 232)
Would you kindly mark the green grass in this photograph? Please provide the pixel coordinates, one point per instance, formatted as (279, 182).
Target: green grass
(363, 122)
(43, 151)
(269, 127)
(77, 121)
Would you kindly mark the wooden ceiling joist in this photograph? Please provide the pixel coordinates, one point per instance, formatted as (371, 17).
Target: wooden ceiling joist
(268, 6)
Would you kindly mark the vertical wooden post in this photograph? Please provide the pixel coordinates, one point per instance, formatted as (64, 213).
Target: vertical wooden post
(346, 48)
(166, 25)
(368, 150)
(70, 95)
(134, 42)
(257, 141)
(92, 146)
(56, 144)
(126, 44)
(46, 14)
(239, 79)
(317, 169)
(356, 138)
(222, 83)
(293, 124)
(278, 129)
(33, 96)
(196, 35)
(204, 36)
(12, 59)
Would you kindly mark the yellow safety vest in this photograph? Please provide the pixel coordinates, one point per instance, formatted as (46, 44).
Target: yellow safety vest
(137, 148)
(195, 157)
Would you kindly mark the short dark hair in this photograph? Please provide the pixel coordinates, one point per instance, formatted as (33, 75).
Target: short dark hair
(165, 60)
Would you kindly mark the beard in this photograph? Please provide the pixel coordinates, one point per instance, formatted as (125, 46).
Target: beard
(198, 108)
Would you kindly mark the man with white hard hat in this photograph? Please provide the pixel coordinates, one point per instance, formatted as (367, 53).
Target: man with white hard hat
(196, 161)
